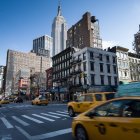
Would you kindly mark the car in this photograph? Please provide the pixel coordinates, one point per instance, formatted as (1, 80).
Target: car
(4, 101)
(40, 100)
(86, 101)
(115, 119)
(18, 100)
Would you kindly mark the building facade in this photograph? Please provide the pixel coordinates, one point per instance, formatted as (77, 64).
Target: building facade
(2, 69)
(22, 82)
(137, 41)
(85, 33)
(19, 60)
(93, 70)
(84, 70)
(42, 46)
(59, 33)
(62, 69)
(49, 79)
(134, 63)
(122, 62)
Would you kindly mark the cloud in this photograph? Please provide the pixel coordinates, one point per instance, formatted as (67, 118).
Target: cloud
(107, 44)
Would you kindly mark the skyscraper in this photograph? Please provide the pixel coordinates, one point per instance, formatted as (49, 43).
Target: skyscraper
(42, 46)
(137, 41)
(59, 33)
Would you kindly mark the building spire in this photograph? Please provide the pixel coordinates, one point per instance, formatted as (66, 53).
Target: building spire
(59, 9)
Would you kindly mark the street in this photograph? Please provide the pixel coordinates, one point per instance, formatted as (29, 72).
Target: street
(23, 121)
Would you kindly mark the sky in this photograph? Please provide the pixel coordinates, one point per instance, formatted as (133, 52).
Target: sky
(21, 21)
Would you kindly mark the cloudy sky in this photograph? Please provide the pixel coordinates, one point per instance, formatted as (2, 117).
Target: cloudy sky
(21, 21)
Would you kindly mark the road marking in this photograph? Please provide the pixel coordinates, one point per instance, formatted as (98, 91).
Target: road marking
(6, 137)
(62, 112)
(51, 120)
(33, 119)
(46, 135)
(24, 133)
(20, 121)
(6, 123)
(58, 114)
(50, 115)
(52, 134)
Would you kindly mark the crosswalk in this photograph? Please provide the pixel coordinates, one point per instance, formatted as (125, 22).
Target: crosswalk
(26, 120)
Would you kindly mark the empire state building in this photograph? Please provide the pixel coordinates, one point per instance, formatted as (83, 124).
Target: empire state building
(59, 33)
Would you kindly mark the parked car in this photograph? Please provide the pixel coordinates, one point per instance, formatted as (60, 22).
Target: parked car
(18, 100)
(115, 119)
(40, 100)
(86, 101)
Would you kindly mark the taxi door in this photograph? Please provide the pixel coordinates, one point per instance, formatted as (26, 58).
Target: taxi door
(78, 106)
(98, 128)
(130, 122)
(85, 105)
(106, 121)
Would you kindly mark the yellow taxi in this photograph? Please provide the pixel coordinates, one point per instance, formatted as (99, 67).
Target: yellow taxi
(115, 119)
(86, 101)
(40, 101)
(4, 101)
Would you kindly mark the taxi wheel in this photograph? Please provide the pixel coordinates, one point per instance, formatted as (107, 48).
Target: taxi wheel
(81, 133)
(71, 112)
(32, 103)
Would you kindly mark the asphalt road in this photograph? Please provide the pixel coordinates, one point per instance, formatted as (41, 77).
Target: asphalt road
(23, 121)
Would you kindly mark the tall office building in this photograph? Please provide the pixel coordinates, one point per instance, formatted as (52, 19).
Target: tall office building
(85, 33)
(2, 68)
(59, 33)
(18, 60)
(42, 46)
(137, 41)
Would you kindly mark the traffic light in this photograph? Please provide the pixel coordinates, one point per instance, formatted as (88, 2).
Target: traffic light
(82, 74)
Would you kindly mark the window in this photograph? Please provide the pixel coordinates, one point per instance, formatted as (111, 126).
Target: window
(74, 80)
(89, 98)
(79, 57)
(92, 66)
(100, 57)
(91, 55)
(109, 96)
(101, 67)
(114, 69)
(85, 79)
(131, 109)
(109, 80)
(114, 59)
(107, 58)
(81, 98)
(115, 81)
(84, 56)
(98, 97)
(80, 80)
(125, 73)
(111, 109)
(102, 79)
(84, 66)
(108, 68)
(92, 79)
